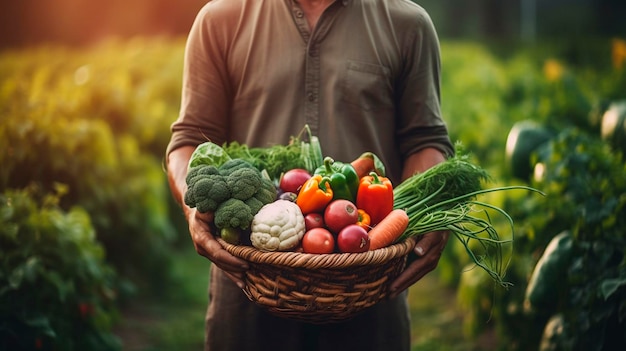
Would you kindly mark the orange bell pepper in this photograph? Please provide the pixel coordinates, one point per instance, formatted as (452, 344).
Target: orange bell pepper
(314, 195)
(364, 220)
(375, 196)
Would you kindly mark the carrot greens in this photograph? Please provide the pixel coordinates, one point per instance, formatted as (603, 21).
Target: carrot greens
(444, 198)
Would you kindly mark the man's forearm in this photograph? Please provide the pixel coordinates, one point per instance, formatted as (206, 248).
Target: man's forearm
(421, 161)
(177, 162)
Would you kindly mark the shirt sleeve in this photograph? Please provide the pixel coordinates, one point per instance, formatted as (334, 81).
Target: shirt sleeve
(205, 92)
(420, 122)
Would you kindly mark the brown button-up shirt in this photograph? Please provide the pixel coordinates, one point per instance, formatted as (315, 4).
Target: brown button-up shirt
(365, 79)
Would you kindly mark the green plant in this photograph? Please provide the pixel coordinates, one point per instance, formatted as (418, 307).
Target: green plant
(89, 119)
(56, 290)
(586, 181)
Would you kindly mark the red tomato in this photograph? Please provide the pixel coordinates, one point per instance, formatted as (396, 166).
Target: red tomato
(292, 180)
(353, 238)
(339, 214)
(313, 220)
(318, 241)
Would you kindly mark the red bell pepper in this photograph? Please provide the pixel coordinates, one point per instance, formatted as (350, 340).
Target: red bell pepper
(375, 197)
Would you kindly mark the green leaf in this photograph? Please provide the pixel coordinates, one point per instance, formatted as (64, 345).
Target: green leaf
(63, 286)
(609, 286)
(208, 154)
(16, 277)
(31, 267)
(42, 323)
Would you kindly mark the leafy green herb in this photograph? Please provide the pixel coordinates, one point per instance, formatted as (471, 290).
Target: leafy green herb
(443, 198)
(302, 151)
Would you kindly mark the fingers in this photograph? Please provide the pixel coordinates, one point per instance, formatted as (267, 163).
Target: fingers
(431, 241)
(428, 250)
(206, 245)
(233, 267)
(414, 272)
(205, 217)
(236, 277)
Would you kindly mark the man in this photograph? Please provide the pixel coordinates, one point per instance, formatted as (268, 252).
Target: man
(364, 75)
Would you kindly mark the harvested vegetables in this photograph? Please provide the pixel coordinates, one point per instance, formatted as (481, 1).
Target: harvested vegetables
(364, 220)
(278, 226)
(343, 178)
(375, 196)
(315, 194)
(368, 162)
(235, 191)
(302, 151)
(389, 229)
(443, 198)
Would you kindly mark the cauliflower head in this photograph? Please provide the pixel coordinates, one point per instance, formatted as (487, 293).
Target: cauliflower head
(278, 226)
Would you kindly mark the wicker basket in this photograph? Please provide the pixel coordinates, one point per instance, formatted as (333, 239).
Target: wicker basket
(320, 288)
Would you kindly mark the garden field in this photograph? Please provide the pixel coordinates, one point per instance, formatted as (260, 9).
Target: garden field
(94, 254)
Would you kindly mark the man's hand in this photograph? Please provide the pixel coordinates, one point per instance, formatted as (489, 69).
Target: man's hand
(206, 245)
(199, 227)
(428, 250)
(429, 246)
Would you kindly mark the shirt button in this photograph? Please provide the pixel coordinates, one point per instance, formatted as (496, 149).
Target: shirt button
(311, 97)
(299, 14)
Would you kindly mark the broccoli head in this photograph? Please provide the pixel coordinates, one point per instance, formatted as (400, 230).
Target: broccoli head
(231, 165)
(267, 192)
(197, 172)
(244, 182)
(264, 195)
(254, 204)
(235, 192)
(233, 213)
(207, 192)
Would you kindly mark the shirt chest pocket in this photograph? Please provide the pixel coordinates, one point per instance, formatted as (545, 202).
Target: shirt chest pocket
(367, 85)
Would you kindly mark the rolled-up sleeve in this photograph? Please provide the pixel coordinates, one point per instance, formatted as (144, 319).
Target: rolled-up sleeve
(421, 124)
(205, 95)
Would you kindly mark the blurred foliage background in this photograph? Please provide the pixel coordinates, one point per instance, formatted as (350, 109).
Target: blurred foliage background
(78, 22)
(94, 254)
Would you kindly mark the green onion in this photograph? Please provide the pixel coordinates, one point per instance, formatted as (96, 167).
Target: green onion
(443, 198)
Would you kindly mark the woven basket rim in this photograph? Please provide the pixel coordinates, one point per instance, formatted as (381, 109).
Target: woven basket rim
(317, 261)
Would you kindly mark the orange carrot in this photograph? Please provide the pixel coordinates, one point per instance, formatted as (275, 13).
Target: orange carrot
(363, 165)
(389, 229)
